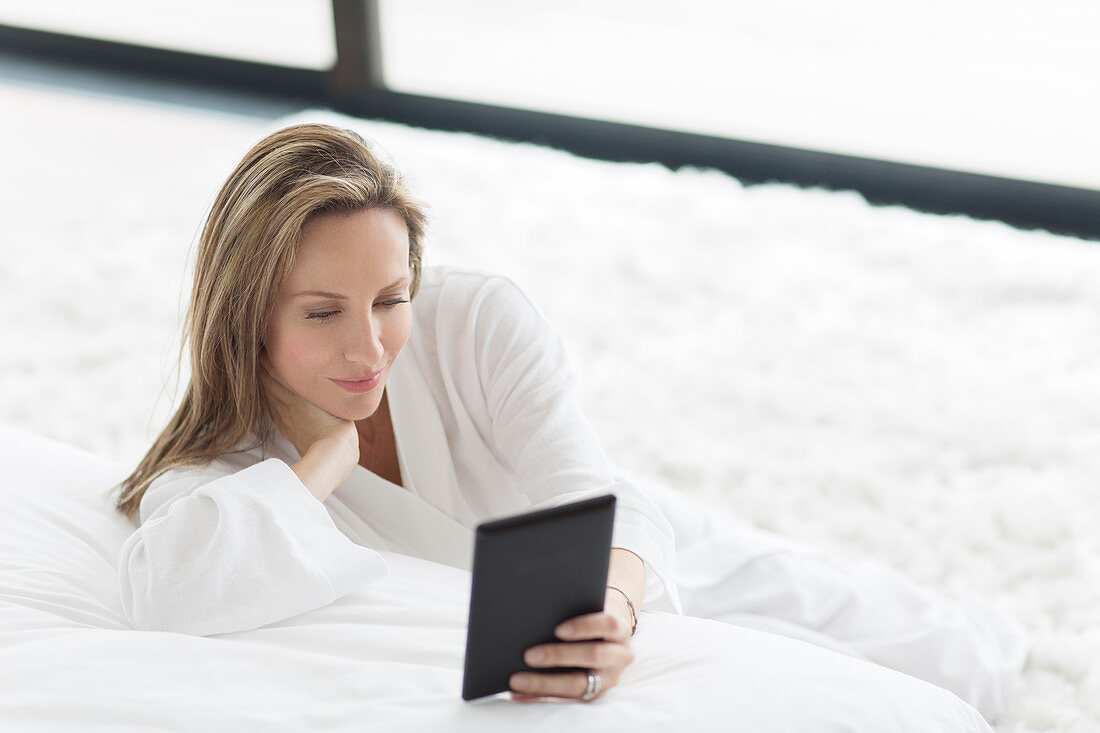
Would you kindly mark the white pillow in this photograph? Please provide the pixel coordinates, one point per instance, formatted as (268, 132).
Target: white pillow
(59, 535)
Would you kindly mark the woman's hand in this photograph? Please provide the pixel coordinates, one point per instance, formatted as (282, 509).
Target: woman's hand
(599, 641)
(303, 423)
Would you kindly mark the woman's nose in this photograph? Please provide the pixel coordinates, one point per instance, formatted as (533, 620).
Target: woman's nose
(364, 344)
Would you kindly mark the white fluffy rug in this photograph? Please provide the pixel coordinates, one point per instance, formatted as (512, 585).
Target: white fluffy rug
(922, 389)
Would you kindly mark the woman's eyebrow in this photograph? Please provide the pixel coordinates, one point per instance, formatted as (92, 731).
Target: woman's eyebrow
(337, 296)
(320, 293)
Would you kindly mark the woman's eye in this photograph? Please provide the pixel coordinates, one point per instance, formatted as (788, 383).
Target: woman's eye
(326, 315)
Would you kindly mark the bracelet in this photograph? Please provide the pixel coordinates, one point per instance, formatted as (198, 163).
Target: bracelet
(630, 605)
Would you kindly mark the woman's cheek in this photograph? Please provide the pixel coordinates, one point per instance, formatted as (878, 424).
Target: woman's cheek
(402, 330)
(298, 358)
(309, 352)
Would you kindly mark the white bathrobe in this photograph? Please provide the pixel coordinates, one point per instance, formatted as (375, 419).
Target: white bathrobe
(486, 424)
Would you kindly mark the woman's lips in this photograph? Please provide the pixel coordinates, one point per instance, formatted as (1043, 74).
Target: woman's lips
(358, 386)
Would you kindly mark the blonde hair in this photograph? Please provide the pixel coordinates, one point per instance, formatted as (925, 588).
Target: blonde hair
(246, 250)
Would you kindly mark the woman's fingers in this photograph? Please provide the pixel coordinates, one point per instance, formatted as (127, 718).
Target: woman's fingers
(606, 658)
(600, 625)
(587, 654)
(598, 641)
(528, 685)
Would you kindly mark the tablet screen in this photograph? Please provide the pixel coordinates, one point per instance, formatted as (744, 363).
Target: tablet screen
(531, 572)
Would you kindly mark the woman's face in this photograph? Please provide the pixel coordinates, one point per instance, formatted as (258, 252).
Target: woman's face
(343, 314)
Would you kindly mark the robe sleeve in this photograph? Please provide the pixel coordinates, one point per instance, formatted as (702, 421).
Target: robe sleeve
(222, 551)
(541, 433)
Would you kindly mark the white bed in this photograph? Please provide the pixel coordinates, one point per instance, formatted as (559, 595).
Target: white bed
(387, 657)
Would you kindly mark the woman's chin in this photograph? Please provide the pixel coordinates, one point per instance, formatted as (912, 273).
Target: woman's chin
(357, 410)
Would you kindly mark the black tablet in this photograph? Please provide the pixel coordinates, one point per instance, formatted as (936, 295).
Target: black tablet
(531, 572)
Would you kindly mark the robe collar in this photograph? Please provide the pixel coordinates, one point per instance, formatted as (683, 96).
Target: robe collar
(426, 517)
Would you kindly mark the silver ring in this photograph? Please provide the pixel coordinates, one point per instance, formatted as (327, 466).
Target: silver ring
(593, 687)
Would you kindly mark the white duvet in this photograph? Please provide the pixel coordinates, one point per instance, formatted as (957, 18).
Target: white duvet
(386, 657)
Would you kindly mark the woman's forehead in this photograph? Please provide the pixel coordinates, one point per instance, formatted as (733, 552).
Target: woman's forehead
(365, 247)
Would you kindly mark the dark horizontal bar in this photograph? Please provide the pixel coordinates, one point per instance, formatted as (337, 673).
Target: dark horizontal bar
(1025, 204)
(162, 63)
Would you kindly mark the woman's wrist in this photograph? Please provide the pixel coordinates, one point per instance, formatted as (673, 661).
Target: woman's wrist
(325, 465)
(631, 619)
(627, 574)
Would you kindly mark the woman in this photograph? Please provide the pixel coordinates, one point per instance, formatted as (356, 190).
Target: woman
(301, 306)
(344, 398)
